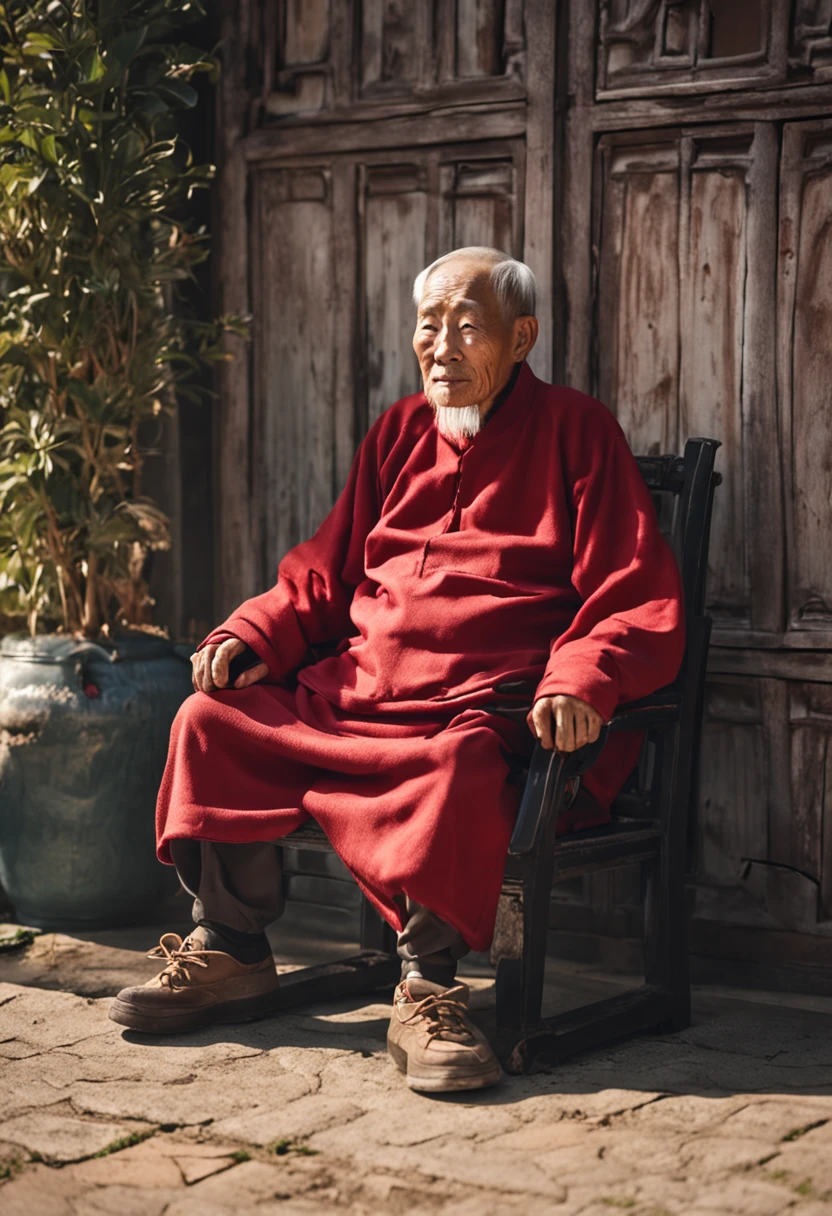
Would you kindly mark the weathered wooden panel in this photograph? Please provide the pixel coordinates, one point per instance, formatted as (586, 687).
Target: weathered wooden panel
(479, 41)
(810, 721)
(638, 293)
(481, 206)
(766, 792)
(811, 40)
(805, 323)
(653, 45)
(296, 57)
(712, 355)
(305, 31)
(395, 222)
(292, 261)
(396, 44)
(732, 819)
(489, 38)
(684, 335)
(237, 565)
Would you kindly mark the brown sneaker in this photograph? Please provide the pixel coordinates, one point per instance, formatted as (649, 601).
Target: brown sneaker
(432, 1040)
(197, 987)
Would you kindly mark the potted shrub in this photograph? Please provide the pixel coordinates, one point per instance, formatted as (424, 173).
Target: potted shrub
(94, 238)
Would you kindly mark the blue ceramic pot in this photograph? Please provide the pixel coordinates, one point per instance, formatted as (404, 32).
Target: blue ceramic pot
(83, 739)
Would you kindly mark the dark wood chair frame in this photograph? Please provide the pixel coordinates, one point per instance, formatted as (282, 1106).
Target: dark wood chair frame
(650, 825)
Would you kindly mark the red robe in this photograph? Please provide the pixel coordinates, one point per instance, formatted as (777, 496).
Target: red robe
(530, 552)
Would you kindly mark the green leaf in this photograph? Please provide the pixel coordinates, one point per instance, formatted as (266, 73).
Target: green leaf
(29, 140)
(149, 103)
(126, 46)
(179, 91)
(42, 40)
(4, 87)
(97, 68)
(48, 149)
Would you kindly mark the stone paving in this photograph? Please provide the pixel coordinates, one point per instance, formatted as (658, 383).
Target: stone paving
(305, 1114)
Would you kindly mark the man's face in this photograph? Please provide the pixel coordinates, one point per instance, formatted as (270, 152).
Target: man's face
(465, 347)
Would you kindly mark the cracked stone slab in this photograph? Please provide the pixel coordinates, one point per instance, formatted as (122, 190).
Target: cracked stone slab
(376, 1142)
(247, 1186)
(70, 964)
(203, 1101)
(304, 1117)
(123, 1201)
(61, 1137)
(162, 1161)
(34, 1020)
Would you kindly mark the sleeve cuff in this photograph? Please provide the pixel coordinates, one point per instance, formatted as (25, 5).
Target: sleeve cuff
(281, 655)
(582, 680)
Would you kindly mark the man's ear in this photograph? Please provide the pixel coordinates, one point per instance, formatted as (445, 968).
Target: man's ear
(526, 330)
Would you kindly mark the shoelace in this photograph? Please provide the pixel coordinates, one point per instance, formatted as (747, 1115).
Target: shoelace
(447, 1017)
(179, 958)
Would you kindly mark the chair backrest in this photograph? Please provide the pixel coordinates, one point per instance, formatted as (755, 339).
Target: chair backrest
(682, 488)
(683, 492)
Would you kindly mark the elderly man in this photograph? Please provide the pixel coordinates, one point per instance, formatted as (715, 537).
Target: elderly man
(493, 528)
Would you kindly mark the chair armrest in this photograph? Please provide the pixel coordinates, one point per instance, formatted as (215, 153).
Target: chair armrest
(550, 771)
(660, 709)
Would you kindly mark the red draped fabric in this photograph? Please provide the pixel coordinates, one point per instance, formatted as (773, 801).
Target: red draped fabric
(530, 552)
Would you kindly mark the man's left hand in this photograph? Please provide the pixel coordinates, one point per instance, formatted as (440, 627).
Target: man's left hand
(565, 723)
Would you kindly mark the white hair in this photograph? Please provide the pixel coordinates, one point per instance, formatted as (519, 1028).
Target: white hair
(514, 284)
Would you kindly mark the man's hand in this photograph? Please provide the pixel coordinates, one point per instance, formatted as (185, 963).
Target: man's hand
(209, 667)
(565, 723)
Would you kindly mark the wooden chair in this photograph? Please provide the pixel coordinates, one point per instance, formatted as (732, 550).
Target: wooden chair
(650, 826)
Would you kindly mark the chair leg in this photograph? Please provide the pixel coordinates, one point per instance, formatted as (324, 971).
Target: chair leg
(666, 963)
(375, 933)
(522, 952)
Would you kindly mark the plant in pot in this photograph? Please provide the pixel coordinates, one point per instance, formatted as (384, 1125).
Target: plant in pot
(94, 239)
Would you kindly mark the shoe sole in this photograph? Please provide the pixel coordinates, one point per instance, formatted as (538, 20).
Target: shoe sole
(443, 1085)
(250, 1010)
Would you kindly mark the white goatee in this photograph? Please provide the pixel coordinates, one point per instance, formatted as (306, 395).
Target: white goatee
(457, 422)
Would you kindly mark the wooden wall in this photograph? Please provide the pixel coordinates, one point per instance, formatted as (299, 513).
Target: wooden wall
(665, 167)
(698, 289)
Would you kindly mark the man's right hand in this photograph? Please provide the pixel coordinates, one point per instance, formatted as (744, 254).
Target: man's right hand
(209, 667)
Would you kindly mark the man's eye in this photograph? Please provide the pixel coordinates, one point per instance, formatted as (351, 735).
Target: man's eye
(431, 329)
(467, 325)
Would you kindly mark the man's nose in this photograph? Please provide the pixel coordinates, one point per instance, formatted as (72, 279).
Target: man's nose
(446, 349)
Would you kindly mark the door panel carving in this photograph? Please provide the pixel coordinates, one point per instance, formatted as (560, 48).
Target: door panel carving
(395, 221)
(294, 355)
(678, 315)
(805, 322)
(652, 46)
(811, 43)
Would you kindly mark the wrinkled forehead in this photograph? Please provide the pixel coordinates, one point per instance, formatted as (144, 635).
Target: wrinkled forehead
(459, 284)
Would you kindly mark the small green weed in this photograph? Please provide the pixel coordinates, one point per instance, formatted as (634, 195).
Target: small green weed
(797, 1132)
(291, 1146)
(18, 939)
(239, 1156)
(125, 1142)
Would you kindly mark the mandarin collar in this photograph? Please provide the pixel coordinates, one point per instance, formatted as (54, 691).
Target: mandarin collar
(507, 414)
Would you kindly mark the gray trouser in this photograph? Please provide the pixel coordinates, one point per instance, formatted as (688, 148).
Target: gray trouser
(241, 886)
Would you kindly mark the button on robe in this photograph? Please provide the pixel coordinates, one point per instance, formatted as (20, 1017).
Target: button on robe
(530, 552)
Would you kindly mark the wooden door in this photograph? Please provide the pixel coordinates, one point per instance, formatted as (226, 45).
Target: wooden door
(698, 292)
(359, 142)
